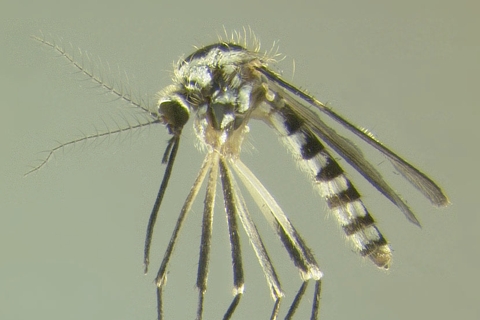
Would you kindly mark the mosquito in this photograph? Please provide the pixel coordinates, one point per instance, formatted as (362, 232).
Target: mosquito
(224, 86)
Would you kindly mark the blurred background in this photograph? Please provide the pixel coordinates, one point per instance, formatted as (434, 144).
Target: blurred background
(72, 234)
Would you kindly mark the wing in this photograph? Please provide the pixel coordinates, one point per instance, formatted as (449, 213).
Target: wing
(350, 152)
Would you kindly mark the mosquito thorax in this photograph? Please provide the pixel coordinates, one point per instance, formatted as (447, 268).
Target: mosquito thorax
(216, 83)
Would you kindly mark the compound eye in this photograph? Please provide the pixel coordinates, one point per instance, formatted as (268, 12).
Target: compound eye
(174, 113)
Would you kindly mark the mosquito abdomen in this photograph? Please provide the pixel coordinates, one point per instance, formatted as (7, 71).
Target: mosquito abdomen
(342, 197)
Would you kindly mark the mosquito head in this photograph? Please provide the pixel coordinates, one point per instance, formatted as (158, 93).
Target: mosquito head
(174, 112)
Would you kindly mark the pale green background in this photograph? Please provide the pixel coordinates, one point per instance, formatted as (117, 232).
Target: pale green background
(71, 235)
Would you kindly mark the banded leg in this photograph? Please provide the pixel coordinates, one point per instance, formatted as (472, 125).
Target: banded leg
(161, 275)
(300, 254)
(259, 248)
(237, 264)
(205, 243)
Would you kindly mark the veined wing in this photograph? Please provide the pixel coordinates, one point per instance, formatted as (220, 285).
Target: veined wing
(351, 153)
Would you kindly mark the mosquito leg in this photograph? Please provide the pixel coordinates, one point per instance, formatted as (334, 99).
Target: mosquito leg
(298, 298)
(259, 248)
(296, 254)
(296, 301)
(205, 242)
(296, 247)
(232, 307)
(276, 309)
(300, 254)
(161, 276)
(168, 158)
(231, 210)
(316, 300)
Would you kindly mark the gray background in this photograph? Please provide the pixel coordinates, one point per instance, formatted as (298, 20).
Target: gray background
(71, 235)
